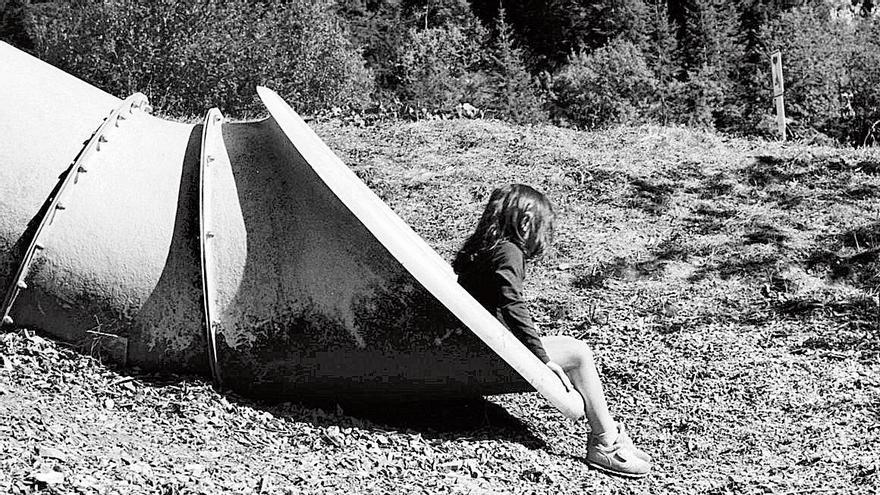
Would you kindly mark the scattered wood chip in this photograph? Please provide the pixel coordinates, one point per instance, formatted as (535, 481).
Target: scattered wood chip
(51, 452)
(49, 477)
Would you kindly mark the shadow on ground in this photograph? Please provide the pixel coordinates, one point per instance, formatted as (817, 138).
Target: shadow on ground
(474, 419)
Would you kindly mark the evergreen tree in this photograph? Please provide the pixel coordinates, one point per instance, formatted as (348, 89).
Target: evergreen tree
(438, 13)
(515, 92)
(377, 28)
(708, 53)
(443, 66)
(385, 31)
(751, 75)
(707, 36)
(626, 20)
(660, 56)
(554, 29)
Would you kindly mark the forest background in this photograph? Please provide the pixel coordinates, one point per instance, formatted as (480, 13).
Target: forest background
(578, 63)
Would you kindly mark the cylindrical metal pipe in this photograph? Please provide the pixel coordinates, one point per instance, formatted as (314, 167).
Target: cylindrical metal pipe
(318, 288)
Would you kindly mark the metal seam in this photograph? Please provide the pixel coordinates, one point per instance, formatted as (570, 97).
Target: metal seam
(53, 202)
(212, 141)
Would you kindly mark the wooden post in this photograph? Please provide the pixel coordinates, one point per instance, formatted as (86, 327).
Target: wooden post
(778, 91)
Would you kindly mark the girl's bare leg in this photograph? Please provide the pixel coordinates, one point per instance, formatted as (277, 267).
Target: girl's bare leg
(576, 358)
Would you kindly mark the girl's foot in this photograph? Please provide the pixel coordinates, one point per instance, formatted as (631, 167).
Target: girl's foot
(619, 458)
(620, 436)
(623, 438)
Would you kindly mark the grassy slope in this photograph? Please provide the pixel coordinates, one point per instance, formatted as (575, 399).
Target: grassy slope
(728, 288)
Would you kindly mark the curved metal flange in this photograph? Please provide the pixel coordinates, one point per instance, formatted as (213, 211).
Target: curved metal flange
(422, 262)
(54, 203)
(212, 145)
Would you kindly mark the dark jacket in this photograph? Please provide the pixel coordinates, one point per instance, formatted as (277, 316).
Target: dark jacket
(495, 279)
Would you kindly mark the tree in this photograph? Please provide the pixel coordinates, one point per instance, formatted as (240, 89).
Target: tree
(554, 29)
(438, 13)
(443, 67)
(660, 55)
(376, 27)
(607, 86)
(515, 92)
(188, 56)
(708, 53)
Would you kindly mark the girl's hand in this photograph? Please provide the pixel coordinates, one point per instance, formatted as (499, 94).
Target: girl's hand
(555, 368)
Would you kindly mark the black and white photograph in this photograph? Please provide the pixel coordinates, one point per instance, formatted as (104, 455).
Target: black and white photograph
(462, 247)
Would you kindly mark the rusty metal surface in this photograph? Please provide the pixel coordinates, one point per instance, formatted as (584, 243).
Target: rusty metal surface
(419, 262)
(45, 118)
(321, 308)
(306, 300)
(32, 241)
(124, 258)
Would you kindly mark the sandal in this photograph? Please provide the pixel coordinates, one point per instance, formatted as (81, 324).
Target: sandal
(619, 459)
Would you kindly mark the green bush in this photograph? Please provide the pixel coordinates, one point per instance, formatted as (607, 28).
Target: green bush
(188, 56)
(611, 85)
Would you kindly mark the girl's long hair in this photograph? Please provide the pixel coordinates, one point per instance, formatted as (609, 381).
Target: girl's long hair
(515, 213)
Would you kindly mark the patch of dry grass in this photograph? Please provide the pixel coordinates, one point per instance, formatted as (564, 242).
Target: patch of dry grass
(729, 288)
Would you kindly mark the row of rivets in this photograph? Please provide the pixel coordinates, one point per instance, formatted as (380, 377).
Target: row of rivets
(210, 133)
(141, 104)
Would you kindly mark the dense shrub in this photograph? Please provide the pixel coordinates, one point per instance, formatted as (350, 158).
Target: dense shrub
(443, 67)
(814, 48)
(695, 62)
(863, 86)
(188, 56)
(553, 29)
(610, 85)
(384, 29)
(830, 69)
(13, 23)
(379, 30)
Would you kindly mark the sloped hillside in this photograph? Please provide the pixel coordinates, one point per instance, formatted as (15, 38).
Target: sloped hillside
(728, 287)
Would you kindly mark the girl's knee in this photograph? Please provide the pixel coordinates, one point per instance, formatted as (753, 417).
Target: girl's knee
(568, 351)
(580, 350)
(584, 352)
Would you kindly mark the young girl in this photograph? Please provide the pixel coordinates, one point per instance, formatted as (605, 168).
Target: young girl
(517, 225)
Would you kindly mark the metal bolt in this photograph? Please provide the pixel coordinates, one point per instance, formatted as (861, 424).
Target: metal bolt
(22, 285)
(210, 158)
(39, 245)
(60, 206)
(81, 169)
(217, 118)
(209, 235)
(7, 320)
(102, 138)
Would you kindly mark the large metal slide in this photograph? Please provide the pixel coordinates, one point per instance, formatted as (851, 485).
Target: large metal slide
(245, 250)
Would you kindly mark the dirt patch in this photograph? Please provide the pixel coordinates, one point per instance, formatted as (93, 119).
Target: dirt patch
(737, 360)
(651, 196)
